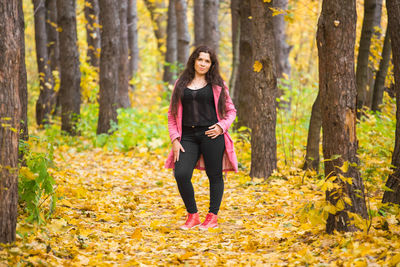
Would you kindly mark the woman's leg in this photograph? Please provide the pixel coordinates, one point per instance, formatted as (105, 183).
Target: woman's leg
(213, 150)
(184, 170)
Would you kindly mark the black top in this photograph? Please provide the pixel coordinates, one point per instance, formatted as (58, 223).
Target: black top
(198, 107)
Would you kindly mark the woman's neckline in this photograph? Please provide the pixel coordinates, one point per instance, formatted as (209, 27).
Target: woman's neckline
(198, 88)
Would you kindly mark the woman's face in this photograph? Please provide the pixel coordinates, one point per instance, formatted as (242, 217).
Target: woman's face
(202, 63)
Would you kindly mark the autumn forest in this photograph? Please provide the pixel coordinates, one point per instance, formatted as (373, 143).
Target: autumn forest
(86, 93)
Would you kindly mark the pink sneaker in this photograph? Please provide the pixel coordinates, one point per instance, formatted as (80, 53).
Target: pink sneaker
(192, 220)
(211, 221)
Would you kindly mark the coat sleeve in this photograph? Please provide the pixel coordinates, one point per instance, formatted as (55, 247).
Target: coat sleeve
(230, 112)
(172, 123)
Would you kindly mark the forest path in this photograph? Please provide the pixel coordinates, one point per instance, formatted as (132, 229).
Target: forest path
(125, 208)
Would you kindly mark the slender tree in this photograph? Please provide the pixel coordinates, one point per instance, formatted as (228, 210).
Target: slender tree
(52, 34)
(314, 134)
(393, 182)
(70, 75)
(382, 72)
(370, 8)
(109, 58)
(282, 49)
(46, 98)
(183, 36)
(171, 57)
(335, 39)
(10, 112)
(235, 18)
(263, 140)
(92, 31)
(158, 18)
(211, 30)
(198, 10)
(133, 38)
(242, 95)
(123, 68)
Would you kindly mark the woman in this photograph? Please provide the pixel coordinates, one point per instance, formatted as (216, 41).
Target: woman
(199, 116)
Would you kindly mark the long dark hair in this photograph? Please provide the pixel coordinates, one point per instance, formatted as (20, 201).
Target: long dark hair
(212, 76)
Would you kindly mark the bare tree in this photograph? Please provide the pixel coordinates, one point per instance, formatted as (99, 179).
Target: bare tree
(133, 38)
(109, 58)
(335, 38)
(10, 114)
(211, 30)
(70, 74)
(46, 98)
(171, 57)
(123, 83)
(263, 139)
(198, 10)
(393, 182)
(182, 31)
(92, 31)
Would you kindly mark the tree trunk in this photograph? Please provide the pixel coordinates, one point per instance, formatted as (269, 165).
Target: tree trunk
(171, 56)
(52, 34)
(23, 88)
(335, 39)
(10, 112)
(92, 31)
(211, 30)
(46, 98)
(109, 58)
(282, 49)
(242, 96)
(382, 72)
(198, 15)
(363, 52)
(393, 182)
(314, 133)
(235, 16)
(70, 75)
(133, 38)
(182, 31)
(123, 83)
(263, 140)
(158, 18)
(371, 70)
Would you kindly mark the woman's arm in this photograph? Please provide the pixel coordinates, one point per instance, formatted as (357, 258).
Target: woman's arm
(172, 123)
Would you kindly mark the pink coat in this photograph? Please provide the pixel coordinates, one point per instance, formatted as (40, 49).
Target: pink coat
(229, 160)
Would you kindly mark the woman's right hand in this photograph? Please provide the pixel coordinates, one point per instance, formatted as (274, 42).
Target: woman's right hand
(177, 148)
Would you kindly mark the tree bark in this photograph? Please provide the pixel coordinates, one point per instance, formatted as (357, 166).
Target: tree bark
(370, 7)
(314, 133)
(263, 140)
(335, 39)
(70, 75)
(92, 31)
(23, 88)
(182, 31)
(10, 112)
(171, 57)
(393, 182)
(52, 34)
(158, 18)
(46, 98)
(371, 69)
(133, 38)
(198, 15)
(282, 49)
(235, 16)
(109, 58)
(242, 95)
(123, 83)
(382, 72)
(211, 28)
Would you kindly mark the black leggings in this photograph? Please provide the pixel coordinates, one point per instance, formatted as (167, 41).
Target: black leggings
(195, 142)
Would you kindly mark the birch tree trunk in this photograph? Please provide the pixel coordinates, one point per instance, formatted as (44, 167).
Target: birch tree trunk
(123, 76)
(133, 38)
(198, 9)
(211, 30)
(182, 31)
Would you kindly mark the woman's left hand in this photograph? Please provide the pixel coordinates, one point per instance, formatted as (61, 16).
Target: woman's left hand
(214, 131)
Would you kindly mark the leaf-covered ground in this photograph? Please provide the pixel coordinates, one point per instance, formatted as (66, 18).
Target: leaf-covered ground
(124, 209)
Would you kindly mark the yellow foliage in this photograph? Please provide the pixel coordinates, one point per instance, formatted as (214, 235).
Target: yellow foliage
(257, 67)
